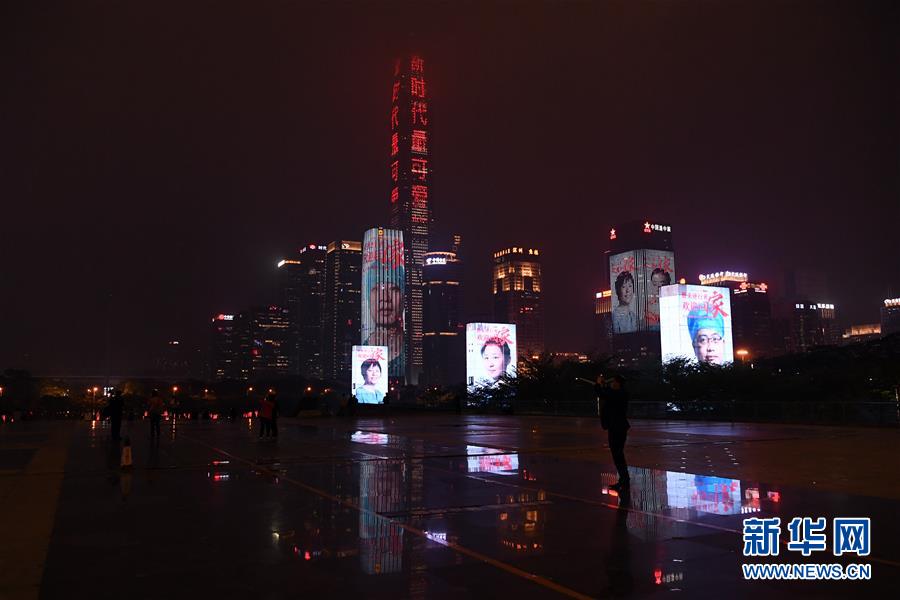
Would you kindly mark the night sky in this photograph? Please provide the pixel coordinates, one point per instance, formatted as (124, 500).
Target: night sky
(168, 154)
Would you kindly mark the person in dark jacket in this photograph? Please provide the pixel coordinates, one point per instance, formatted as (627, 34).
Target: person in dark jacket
(115, 407)
(614, 419)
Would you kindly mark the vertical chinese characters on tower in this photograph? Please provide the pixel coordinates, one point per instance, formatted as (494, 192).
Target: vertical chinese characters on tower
(410, 180)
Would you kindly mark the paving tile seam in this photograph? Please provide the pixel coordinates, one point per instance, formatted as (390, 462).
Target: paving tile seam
(546, 583)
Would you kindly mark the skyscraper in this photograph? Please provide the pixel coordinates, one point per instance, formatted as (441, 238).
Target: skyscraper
(444, 343)
(343, 277)
(410, 181)
(226, 348)
(751, 319)
(269, 334)
(641, 260)
(517, 296)
(890, 316)
(302, 291)
(383, 282)
(813, 325)
(603, 322)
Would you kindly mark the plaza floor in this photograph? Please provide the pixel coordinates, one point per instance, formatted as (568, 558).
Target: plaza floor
(431, 506)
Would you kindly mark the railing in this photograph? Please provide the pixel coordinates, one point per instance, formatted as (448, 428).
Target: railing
(831, 413)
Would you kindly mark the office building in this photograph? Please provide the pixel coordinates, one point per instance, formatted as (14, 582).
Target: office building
(727, 279)
(343, 277)
(640, 261)
(443, 330)
(517, 285)
(268, 332)
(811, 325)
(751, 317)
(226, 357)
(890, 316)
(603, 322)
(410, 192)
(301, 283)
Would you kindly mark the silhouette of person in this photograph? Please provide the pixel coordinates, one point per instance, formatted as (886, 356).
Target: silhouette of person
(115, 407)
(614, 418)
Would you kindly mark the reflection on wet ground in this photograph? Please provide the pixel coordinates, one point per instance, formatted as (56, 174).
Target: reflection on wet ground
(423, 507)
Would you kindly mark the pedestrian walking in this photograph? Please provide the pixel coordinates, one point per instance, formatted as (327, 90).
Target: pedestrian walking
(614, 419)
(265, 417)
(116, 404)
(155, 410)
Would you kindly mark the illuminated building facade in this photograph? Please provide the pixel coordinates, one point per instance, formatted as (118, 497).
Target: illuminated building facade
(640, 260)
(410, 189)
(268, 330)
(861, 333)
(228, 347)
(729, 279)
(382, 302)
(751, 318)
(343, 269)
(603, 322)
(890, 316)
(443, 343)
(517, 285)
(301, 286)
(813, 325)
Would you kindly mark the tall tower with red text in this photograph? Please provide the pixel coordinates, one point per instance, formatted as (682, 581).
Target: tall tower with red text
(410, 181)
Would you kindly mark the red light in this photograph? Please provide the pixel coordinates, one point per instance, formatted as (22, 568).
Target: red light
(395, 144)
(306, 555)
(775, 496)
(395, 195)
(395, 170)
(395, 117)
(657, 576)
(395, 92)
(416, 64)
(419, 196)
(647, 227)
(612, 234)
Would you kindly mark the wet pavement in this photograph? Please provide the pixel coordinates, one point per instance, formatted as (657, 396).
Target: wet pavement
(447, 506)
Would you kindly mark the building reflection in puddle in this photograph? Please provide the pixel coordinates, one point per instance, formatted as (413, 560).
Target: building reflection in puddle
(481, 459)
(369, 437)
(381, 483)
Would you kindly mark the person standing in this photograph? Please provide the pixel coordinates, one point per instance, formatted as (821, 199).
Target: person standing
(265, 417)
(155, 409)
(614, 419)
(115, 407)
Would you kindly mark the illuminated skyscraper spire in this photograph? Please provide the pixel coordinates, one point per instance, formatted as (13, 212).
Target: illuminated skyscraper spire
(410, 179)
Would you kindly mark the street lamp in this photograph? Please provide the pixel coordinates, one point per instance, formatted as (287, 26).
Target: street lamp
(743, 354)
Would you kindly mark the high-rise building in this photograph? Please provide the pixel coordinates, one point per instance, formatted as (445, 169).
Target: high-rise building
(640, 260)
(517, 285)
(890, 316)
(603, 322)
(343, 277)
(856, 334)
(383, 283)
(227, 347)
(268, 330)
(813, 325)
(444, 331)
(302, 291)
(751, 318)
(729, 279)
(410, 185)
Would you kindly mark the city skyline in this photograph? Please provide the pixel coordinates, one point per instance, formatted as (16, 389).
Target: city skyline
(180, 204)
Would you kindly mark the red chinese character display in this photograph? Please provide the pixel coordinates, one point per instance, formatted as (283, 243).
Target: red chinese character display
(417, 87)
(419, 113)
(419, 196)
(395, 168)
(395, 92)
(420, 167)
(416, 65)
(395, 117)
(395, 144)
(419, 141)
(395, 195)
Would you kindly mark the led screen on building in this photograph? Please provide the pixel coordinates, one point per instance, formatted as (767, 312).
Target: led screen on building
(635, 278)
(383, 291)
(696, 324)
(369, 378)
(490, 353)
